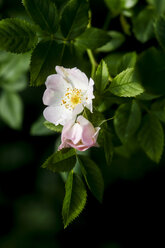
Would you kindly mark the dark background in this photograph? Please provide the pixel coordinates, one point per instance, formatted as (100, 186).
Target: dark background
(132, 212)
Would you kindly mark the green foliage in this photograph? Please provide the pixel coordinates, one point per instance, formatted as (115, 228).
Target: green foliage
(39, 129)
(128, 60)
(127, 120)
(116, 40)
(101, 77)
(74, 18)
(92, 38)
(17, 36)
(108, 146)
(11, 109)
(151, 70)
(44, 13)
(126, 84)
(160, 30)
(118, 6)
(93, 176)
(159, 5)
(44, 58)
(63, 160)
(143, 24)
(158, 109)
(75, 198)
(53, 127)
(151, 137)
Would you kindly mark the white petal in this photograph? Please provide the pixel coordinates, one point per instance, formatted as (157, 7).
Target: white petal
(52, 97)
(56, 82)
(78, 109)
(57, 114)
(74, 76)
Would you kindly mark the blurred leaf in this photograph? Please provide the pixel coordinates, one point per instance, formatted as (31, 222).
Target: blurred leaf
(117, 6)
(116, 40)
(127, 120)
(74, 18)
(143, 24)
(63, 160)
(145, 96)
(159, 26)
(11, 109)
(101, 77)
(125, 84)
(113, 62)
(44, 58)
(75, 198)
(38, 128)
(53, 127)
(151, 69)
(92, 38)
(158, 109)
(44, 13)
(17, 35)
(159, 5)
(128, 60)
(93, 176)
(151, 137)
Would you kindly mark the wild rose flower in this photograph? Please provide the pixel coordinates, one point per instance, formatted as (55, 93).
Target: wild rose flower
(80, 135)
(67, 93)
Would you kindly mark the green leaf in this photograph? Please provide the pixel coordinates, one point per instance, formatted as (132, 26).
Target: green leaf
(159, 5)
(44, 13)
(128, 60)
(92, 38)
(53, 127)
(38, 128)
(74, 18)
(108, 146)
(101, 77)
(75, 198)
(151, 137)
(93, 176)
(117, 6)
(45, 57)
(11, 109)
(16, 35)
(159, 27)
(158, 109)
(125, 84)
(116, 40)
(143, 24)
(63, 160)
(127, 120)
(113, 62)
(151, 70)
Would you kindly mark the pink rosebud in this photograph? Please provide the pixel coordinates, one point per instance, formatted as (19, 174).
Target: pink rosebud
(80, 135)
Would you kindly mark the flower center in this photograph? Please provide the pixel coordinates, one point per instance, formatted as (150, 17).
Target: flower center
(71, 98)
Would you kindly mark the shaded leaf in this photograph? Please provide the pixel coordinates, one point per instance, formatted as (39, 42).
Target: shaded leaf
(151, 137)
(75, 198)
(93, 176)
(38, 128)
(92, 38)
(45, 57)
(63, 160)
(44, 13)
(74, 18)
(127, 120)
(159, 26)
(17, 35)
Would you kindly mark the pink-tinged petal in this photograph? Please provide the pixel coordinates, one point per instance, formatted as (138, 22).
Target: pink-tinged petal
(67, 127)
(82, 120)
(56, 82)
(75, 133)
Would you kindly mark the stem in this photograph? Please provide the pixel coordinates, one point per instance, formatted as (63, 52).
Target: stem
(106, 121)
(93, 62)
